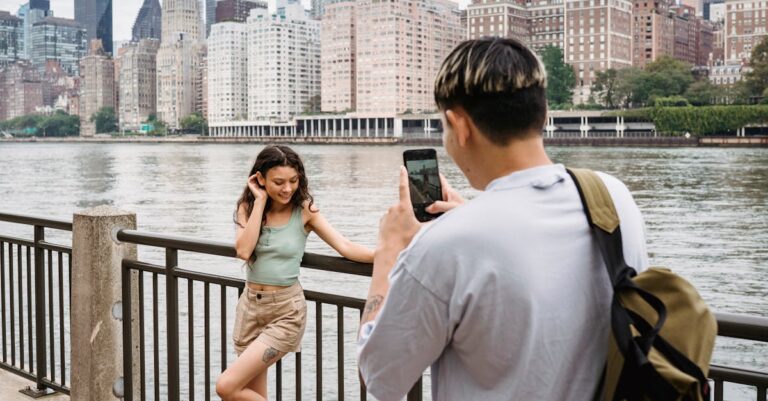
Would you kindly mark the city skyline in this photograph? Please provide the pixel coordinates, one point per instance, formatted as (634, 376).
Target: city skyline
(122, 27)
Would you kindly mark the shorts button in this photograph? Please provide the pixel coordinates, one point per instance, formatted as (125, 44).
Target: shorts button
(258, 296)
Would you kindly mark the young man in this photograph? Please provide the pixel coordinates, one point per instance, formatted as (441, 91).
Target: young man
(506, 296)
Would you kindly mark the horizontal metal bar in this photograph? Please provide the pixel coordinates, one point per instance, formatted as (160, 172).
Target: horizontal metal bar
(17, 241)
(210, 278)
(142, 266)
(36, 221)
(177, 242)
(56, 386)
(17, 371)
(332, 299)
(336, 264)
(312, 261)
(54, 247)
(736, 375)
(742, 326)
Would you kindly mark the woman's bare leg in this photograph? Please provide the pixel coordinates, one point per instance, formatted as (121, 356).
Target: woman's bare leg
(259, 384)
(234, 383)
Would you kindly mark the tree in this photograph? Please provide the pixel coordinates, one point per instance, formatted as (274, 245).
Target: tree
(756, 81)
(194, 124)
(667, 77)
(60, 124)
(560, 76)
(159, 127)
(105, 120)
(630, 87)
(604, 87)
(701, 93)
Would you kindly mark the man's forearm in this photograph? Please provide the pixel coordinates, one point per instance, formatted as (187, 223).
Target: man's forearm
(383, 261)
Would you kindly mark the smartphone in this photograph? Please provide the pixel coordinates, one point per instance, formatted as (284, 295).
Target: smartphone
(423, 180)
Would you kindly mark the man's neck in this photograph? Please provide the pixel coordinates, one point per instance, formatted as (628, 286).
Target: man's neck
(498, 161)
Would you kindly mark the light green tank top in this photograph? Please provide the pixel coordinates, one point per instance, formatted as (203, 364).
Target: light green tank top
(279, 252)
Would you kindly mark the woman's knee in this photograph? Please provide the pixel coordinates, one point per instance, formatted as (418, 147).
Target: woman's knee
(226, 388)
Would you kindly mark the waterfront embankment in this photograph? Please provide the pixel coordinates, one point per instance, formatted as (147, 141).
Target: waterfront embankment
(649, 141)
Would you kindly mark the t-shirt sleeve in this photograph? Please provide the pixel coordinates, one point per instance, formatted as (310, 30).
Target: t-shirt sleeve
(632, 224)
(407, 336)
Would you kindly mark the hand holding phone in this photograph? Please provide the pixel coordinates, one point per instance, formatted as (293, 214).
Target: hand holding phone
(423, 180)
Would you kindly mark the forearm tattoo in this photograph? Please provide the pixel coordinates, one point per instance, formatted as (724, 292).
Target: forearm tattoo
(372, 306)
(269, 354)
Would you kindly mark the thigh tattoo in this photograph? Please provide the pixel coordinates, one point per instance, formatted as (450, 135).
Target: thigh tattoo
(269, 354)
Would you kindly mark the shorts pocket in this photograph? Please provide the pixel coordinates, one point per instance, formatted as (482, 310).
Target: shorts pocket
(241, 316)
(299, 304)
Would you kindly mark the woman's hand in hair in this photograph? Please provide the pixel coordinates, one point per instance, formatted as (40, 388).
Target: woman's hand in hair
(259, 193)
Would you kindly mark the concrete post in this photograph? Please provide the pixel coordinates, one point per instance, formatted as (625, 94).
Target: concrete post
(96, 324)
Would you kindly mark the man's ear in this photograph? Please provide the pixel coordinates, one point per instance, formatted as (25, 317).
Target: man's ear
(459, 121)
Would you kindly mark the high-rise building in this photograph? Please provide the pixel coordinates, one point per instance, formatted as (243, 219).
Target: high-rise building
(57, 85)
(654, 31)
(201, 82)
(148, 24)
(210, 15)
(20, 90)
(177, 61)
(11, 38)
(40, 5)
(96, 17)
(181, 18)
(283, 62)
(546, 22)
(707, 10)
(236, 10)
(97, 86)
(227, 96)
(60, 39)
(505, 18)
(745, 26)
(599, 37)
(29, 17)
(397, 63)
(338, 51)
(318, 8)
(686, 28)
(705, 42)
(138, 83)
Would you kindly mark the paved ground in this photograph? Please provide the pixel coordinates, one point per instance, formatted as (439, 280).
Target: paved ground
(10, 384)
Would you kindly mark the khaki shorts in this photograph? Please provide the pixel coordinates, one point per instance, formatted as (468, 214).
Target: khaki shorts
(276, 318)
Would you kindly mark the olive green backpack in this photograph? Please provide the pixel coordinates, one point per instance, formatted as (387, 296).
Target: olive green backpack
(662, 333)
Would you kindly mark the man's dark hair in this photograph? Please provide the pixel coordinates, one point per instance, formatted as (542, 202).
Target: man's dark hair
(499, 82)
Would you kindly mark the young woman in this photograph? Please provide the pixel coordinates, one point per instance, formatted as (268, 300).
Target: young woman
(274, 215)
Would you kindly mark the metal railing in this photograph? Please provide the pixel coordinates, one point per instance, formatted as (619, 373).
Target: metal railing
(133, 272)
(35, 344)
(34, 336)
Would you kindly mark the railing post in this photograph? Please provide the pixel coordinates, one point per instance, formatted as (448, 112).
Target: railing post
(40, 390)
(96, 310)
(172, 305)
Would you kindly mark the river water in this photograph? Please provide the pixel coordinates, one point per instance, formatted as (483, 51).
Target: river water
(706, 214)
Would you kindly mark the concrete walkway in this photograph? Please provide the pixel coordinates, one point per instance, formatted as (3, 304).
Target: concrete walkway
(10, 384)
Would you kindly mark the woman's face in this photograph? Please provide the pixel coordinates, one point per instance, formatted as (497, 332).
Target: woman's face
(281, 183)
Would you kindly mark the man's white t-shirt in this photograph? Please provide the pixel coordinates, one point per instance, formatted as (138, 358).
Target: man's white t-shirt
(506, 297)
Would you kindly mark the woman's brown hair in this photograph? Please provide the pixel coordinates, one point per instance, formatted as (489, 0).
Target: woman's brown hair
(275, 156)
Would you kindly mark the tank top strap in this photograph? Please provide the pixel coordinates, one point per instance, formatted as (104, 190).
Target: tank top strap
(296, 219)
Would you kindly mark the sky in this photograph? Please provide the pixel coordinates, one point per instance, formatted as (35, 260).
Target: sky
(123, 12)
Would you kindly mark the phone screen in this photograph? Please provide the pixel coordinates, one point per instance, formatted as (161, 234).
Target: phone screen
(423, 179)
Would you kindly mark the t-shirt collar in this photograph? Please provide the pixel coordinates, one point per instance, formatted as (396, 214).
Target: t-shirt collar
(538, 177)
